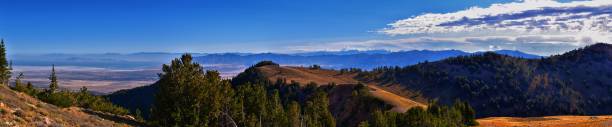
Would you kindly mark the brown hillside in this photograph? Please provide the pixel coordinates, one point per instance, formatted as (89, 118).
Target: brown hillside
(306, 75)
(548, 121)
(18, 109)
(324, 77)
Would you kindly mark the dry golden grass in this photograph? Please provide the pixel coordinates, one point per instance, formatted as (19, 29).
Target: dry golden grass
(21, 110)
(548, 121)
(324, 77)
(305, 75)
(400, 104)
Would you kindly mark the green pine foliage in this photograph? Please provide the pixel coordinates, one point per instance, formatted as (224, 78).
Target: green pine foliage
(5, 69)
(19, 85)
(188, 96)
(316, 112)
(61, 99)
(294, 114)
(85, 99)
(53, 86)
(459, 115)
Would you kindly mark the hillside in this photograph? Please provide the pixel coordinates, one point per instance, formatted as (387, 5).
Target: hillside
(344, 105)
(574, 83)
(18, 109)
(577, 82)
(548, 121)
(324, 77)
(139, 98)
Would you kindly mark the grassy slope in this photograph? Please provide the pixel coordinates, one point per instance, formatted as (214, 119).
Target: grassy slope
(18, 109)
(324, 77)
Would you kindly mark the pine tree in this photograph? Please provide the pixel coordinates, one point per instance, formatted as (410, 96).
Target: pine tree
(277, 115)
(31, 90)
(53, 86)
(317, 112)
(83, 91)
(5, 70)
(189, 97)
(379, 119)
(293, 114)
(469, 115)
(19, 86)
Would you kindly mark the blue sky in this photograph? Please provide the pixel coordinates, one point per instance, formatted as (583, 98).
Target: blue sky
(124, 26)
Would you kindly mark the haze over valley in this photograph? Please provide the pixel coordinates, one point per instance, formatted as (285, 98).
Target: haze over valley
(106, 73)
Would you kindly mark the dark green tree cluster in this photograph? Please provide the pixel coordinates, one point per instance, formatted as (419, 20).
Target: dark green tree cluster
(19, 85)
(459, 115)
(263, 105)
(190, 96)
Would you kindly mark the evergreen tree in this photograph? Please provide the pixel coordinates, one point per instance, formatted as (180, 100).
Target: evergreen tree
(277, 117)
(380, 120)
(293, 114)
(316, 111)
(19, 86)
(53, 86)
(469, 115)
(31, 90)
(5, 70)
(189, 97)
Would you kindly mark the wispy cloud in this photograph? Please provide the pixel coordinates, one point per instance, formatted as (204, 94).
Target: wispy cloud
(527, 17)
(537, 26)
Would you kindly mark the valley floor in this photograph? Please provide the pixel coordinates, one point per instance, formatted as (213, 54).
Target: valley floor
(548, 121)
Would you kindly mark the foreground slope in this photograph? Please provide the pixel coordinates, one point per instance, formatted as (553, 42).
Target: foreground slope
(575, 83)
(18, 109)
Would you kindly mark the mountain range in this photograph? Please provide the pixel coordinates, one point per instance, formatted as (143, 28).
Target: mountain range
(573, 83)
(332, 59)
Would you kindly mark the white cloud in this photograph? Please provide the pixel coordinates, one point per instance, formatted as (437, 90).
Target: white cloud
(542, 27)
(527, 17)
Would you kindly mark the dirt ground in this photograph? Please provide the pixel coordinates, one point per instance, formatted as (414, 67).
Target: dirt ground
(549, 121)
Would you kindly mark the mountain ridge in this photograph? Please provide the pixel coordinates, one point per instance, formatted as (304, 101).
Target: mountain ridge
(576, 82)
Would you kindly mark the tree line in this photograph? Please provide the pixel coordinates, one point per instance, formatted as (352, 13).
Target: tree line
(53, 94)
(190, 96)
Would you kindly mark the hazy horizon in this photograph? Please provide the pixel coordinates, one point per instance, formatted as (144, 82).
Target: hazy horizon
(541, 27)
